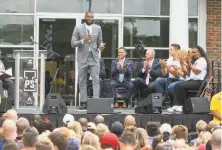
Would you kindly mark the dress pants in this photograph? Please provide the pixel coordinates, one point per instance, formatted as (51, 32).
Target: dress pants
(181, 90)
(128, 85)
(140, 84)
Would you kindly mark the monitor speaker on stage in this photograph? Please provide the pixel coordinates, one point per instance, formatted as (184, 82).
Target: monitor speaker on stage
(100, 105)
(196, 105)
(54, 104)
(4, 104)
(151, 104)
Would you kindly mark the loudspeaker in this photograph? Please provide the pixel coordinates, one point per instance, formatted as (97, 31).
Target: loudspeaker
(196, 105)
(151, 104)
(54, 104)
(4, 104)
(100, 105)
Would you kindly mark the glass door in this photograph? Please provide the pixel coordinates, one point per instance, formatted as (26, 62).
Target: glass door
(112, 37)
(54, 35)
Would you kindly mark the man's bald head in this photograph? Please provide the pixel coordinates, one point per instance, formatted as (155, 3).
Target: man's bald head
(9, 129)
(129, 121)
(216, 139)
(99, 119)
(12, 114)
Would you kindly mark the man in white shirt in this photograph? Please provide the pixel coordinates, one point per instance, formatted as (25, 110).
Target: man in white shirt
(168, 68)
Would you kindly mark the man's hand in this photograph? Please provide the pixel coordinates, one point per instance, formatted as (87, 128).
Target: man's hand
(145, 65)
(87, 38)
(102, 46)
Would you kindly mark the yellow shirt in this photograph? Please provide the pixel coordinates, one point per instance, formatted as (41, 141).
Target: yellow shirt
(216, 104)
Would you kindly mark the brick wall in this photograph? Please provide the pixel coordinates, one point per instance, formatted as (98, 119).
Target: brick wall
(214, 29)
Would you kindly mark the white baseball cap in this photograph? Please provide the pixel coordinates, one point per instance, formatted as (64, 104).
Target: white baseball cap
(67, 118)
(165, 128)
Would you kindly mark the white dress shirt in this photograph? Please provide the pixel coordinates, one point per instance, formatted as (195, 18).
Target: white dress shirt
(89, 31)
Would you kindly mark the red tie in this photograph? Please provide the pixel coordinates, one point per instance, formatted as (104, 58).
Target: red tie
(147, 78)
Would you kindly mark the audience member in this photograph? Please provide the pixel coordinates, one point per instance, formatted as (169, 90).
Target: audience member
(76, 127)
(156, 140)
(204, 137)
(10, 145)
(40, 125)
(180, 135)
(152, 130)
(59, 140)
(91, 139)
(216, 139)
(22, 124)
(9, 132)
(44, 144)
(117, 128)
(216, 107)
(99, 119)
(212, 124)
(101, 129)
(84, 124)
(127, 141)
(129, 121)
(201, 126)
(142, 137)
(92, 127)
(67, 118)
(110, 140)
(88, 147)
(29, 138)
(11, 114)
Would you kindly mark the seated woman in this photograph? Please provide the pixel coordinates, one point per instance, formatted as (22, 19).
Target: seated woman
(198, 71)
(183, 72)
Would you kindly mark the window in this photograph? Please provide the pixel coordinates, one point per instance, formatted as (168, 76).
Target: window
(147, 7)
(16, 30)
(154, 32)
(193, 22)
(80, 6)
(17, 6)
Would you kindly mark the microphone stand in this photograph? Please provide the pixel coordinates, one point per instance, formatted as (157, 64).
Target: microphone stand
(44, 47)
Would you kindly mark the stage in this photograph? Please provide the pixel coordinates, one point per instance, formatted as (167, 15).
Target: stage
(189, 120)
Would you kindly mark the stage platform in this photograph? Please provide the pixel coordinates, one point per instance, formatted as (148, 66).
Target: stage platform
(189, 120)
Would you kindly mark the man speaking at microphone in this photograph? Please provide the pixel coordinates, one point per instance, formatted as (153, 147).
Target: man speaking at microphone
(88, 38)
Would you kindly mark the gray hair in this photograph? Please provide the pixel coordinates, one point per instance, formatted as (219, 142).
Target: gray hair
(22, 124)
(152, 51)
(216, 137)
(30, 137)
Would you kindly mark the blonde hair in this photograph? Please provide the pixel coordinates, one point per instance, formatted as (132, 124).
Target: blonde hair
(181, 54)
(201, 126)
(204, 137)
(91, 139)
(142, 136)
(101, 129)
(76, 127)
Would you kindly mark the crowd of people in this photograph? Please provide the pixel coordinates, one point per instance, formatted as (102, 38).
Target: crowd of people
(38, 133)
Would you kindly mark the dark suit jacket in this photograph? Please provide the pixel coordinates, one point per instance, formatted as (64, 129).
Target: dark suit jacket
(155, 71)
(127, 72)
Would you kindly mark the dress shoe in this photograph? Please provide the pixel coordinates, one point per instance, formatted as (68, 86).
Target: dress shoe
(124, 105)
(116, 105)
(83, 105)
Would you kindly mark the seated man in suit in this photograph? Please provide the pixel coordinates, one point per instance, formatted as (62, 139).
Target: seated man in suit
(121, 71)
(7, 84)
(147, 75)
(102, 76)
